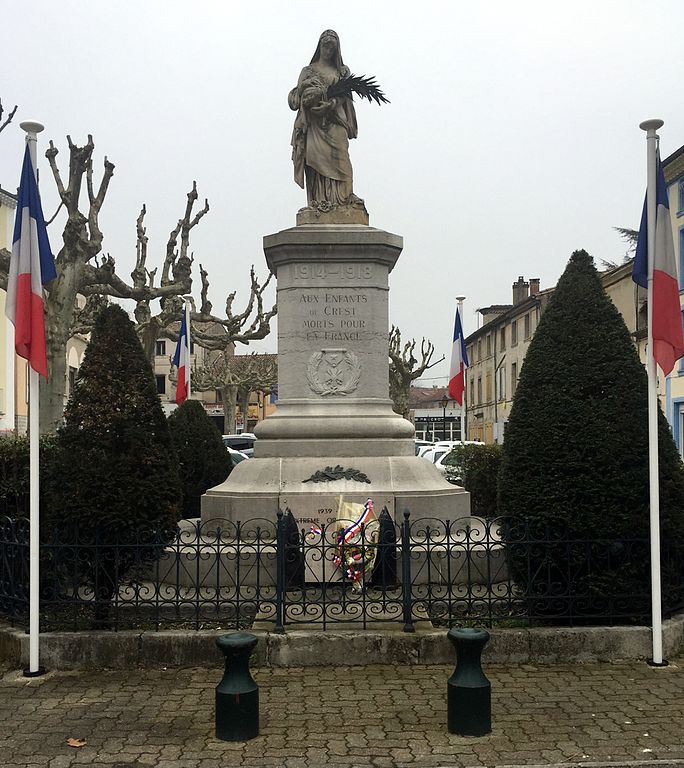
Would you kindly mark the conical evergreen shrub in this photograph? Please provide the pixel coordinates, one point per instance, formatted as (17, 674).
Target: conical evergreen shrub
(203, 460)
(575, 463)
(113, 486)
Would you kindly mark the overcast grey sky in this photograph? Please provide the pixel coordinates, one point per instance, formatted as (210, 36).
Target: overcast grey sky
(512, 138)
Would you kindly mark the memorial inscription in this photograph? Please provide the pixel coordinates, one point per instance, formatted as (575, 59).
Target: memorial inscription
(330, 271)
(334, 316)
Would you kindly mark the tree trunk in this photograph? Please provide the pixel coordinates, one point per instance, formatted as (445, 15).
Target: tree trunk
(229, 396)
(244, 406)
(148, 339)
(400, 393)
(59, 312)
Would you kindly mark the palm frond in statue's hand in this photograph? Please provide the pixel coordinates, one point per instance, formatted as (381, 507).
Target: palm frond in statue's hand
(362, 86)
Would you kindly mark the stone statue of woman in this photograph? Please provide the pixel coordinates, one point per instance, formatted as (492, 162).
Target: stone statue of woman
(322, 129)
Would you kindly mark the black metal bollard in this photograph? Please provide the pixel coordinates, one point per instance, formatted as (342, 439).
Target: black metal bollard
(237, 695)
(469, 702)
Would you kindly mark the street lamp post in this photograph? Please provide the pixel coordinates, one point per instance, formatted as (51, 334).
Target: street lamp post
(444, 402)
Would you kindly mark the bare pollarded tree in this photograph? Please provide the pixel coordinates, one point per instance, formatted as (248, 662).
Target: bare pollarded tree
(82, 271)
(236, 376)
(405, 368)
(219, 333)
(174, 281)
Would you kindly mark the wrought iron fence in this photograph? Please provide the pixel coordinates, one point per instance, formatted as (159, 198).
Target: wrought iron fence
(274, 575)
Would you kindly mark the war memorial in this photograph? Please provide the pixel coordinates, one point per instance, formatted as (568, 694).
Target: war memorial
(335, 527)
(334, 435)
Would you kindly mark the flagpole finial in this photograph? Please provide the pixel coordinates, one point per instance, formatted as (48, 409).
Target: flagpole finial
(651, 125)
(31, 126)
(460, 298)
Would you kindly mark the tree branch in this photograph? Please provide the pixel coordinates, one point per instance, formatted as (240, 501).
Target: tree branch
(404, 367)
(9, 117)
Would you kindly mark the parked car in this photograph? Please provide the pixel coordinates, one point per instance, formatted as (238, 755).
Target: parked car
(240, 442)
(424, 449)
(420, 444)
(435, 452)
(440, 462)
(236, 456)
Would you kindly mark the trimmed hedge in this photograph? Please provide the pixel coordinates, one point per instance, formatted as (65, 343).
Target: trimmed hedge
(476, 468)
(203, 460)
(114, 472)
(14, 471)
(575, 457)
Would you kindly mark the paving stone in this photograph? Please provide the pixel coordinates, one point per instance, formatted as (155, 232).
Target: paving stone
(344, 718)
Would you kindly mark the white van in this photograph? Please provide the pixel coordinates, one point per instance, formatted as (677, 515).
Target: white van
(439, 462)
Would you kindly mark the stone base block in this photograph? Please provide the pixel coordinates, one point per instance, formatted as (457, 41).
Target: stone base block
(260, 487)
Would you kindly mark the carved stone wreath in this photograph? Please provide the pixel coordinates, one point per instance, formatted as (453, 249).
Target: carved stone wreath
(333, 372)
(337, 472)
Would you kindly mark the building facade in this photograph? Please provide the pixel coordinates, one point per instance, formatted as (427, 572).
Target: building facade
(673, 168)
(434, 416)
(496, 351)
(495, 354)
(13, 372)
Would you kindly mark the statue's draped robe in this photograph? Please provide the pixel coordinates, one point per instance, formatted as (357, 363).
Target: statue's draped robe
(320, 143)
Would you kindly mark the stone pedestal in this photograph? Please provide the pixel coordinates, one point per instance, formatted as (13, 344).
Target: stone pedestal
(333, 385)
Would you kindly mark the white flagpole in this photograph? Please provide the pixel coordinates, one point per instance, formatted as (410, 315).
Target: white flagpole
(651, 126)
(187, 327)
(460, 300)
(33, 128)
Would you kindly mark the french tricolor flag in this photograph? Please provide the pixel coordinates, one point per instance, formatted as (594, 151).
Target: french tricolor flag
(668, 337)
(459, 363)
(31, 267)
(181, 359)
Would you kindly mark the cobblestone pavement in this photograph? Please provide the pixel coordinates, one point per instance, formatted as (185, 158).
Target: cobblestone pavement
(344, 716)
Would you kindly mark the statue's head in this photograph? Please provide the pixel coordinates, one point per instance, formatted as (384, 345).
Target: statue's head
(328, 49)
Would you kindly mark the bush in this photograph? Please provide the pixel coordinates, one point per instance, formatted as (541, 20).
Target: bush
(14, 471)
(203, 460)
(115, 476)
(476, 468)
(575, 459)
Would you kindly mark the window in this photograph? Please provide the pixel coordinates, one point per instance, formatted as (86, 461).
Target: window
(472, 392)
(489, 344)
(161, 384)
(514, 377)
(527, 325)
(681, 259)
(680, 195)
(192, 347)
(160, 348)
(501, 383)
(681, 359)
(72, 378)
(502, 342)
(514, 333)
(479, 349)
(488, 388)
(479, 391)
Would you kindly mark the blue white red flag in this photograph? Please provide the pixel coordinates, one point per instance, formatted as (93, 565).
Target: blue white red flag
(355, 527)
(459, 363)
(668, 337)
(181, 359)
(31, 267)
